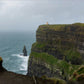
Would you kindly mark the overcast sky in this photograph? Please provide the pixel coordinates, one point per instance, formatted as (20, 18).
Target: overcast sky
(26, 15)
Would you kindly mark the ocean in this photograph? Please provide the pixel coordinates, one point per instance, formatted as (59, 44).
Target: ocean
(11, 46)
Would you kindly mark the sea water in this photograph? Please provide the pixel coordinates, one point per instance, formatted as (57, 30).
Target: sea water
(11, 46)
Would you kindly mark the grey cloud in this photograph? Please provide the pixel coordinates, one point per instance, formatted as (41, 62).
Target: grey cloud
(29, 14)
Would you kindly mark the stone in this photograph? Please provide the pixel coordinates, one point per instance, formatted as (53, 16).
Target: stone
(24, 51)
(1, 67)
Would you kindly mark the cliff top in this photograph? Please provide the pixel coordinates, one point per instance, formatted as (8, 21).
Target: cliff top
(61, 27)
(80, 24)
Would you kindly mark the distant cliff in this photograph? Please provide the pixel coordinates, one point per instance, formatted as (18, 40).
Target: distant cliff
(58, 51)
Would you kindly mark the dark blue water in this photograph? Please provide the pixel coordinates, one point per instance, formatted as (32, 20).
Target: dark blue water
(11, 45)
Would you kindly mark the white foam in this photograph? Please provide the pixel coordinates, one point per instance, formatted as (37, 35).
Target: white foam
(23, 62)
(15, 54)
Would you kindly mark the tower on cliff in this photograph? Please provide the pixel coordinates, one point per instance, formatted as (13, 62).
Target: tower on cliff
(47, 23)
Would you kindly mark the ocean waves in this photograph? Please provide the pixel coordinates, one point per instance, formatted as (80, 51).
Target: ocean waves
(22, 63)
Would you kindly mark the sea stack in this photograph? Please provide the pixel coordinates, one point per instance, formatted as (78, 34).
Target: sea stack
(24, 51)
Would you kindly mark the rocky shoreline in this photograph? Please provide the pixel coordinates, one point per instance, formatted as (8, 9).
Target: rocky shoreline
(7, 77)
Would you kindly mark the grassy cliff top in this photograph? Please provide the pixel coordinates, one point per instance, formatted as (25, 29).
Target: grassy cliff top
(61, 27)
(54, 25)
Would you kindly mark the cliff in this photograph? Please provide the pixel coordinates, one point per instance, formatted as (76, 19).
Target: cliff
(58, 51)
(7, 77)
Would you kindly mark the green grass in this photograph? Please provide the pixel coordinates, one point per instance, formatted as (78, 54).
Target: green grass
(54, 62)
(71, 55)
(61, 27)
(52, 27)
(45, 57)
(38, 45)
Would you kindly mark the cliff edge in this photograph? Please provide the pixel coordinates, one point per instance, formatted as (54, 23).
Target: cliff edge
(7, 77)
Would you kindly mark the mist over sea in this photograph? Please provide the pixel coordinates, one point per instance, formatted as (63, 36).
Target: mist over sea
(11, 46)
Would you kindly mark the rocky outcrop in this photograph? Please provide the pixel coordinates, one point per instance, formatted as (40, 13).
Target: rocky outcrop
(2, 69)
(24, 51)
(40, 68)
(56, 47)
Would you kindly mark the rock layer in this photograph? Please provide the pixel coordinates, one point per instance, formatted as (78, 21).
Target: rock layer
(60, 37)
(63, 42)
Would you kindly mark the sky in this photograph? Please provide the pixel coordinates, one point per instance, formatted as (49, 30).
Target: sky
(27, 15)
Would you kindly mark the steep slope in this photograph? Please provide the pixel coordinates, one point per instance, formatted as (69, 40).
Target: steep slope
(7, 77)
(58, 51)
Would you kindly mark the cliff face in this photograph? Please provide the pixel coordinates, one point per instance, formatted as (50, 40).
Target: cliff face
(56, 47)
(57, 39)
(7, 77)
(40, 68)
